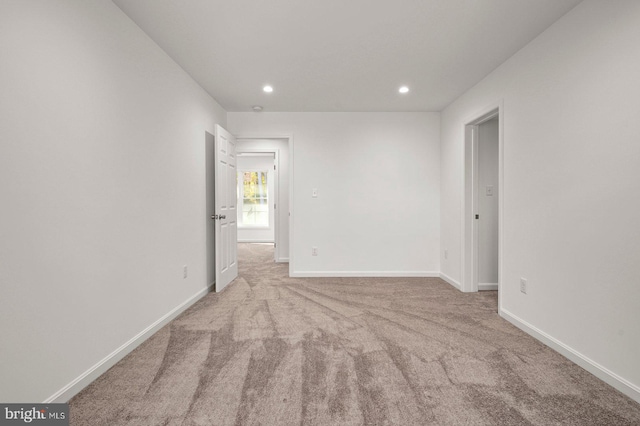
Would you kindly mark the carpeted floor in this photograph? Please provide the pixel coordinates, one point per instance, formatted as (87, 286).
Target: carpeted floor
(273, 350)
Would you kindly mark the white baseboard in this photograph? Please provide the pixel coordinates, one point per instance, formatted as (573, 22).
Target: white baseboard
(372, 274)
(608, 376)
(75, 386)
(487, 286)
(282, 260)
(451, 281)
(257, 241)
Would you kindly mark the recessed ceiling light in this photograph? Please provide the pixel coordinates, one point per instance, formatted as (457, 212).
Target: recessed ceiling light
(268, 89)
(256, 108)
(403, 89)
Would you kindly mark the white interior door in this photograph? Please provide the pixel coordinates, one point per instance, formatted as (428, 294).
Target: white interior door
(226, 216)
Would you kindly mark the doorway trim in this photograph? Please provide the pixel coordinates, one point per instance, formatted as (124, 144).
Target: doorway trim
(289, 138)
(470, 196)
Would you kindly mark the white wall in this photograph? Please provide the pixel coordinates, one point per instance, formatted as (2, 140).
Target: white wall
(102, 188)
(282, 212)
(488, 204)
(257, 163)
(571, 185)
(377, 175)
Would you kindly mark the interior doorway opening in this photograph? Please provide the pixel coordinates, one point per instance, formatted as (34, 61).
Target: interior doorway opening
(256, 152)
(487, 204)
(257, 196)
(223, 211)
(483, 201)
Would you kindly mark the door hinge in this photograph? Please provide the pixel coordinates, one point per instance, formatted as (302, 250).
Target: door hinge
(274, 245)
(274, 167)
(477, 216)
(274, 206)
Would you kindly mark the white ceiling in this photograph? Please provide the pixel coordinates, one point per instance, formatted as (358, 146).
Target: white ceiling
(341, 55)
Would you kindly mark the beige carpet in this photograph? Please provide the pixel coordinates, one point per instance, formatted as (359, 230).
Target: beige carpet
(273, 350)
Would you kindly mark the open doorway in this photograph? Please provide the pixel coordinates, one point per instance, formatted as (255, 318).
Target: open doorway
(487, 199)
(483, 201)
(257, 195)
(268, 221)
(223, 193)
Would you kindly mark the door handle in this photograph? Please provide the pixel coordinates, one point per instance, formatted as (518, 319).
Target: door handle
(222, 216)
(214, 216)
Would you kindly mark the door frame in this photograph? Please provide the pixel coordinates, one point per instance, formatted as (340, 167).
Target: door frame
(276, 187)
(470, 196)
(289, 138)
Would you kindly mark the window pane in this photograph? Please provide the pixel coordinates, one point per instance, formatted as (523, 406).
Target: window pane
(255, 199)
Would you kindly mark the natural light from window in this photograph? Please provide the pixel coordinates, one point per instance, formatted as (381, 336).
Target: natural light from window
(254, 199)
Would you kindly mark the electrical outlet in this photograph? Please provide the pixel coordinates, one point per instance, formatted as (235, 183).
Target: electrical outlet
(523, 285)
(185, 272)
(314, 192)
(314, 251)
(446, 254)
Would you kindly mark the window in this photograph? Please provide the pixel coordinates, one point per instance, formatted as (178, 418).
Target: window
(254, 199)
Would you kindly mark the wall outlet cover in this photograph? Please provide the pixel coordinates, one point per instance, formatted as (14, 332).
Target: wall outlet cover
(523, 285)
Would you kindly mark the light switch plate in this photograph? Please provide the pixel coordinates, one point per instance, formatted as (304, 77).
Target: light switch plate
(489, 192)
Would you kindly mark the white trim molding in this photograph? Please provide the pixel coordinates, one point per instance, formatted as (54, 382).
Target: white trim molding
(82, 381)
(604, 374)
(451, 281)
(372, 274)
(487, 286)
(254, 241)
